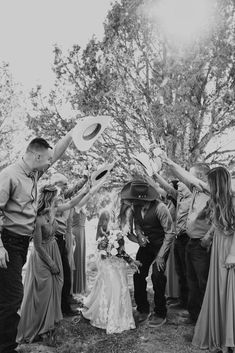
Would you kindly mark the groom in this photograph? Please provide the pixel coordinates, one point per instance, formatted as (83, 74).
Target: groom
(155, 233)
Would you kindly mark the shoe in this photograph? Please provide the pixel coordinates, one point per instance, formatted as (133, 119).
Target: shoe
(186, 321)
(171, 300)
(156, 321)
(71, 312)
(188, 338)
(176, 305)
(142, 317)
(185, 314)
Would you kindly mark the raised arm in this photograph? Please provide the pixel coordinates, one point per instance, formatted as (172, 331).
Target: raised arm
(61, 146)
(166, 186)
(74, 201)
(156, 186)
(37, 239)
(186, 177)
(74, 190)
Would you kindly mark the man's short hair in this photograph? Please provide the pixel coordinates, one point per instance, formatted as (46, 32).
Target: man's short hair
(202, 167)
(37, 144)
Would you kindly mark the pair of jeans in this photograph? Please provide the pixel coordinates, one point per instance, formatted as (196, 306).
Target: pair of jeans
(197, 266)
(180, 266)
(11, 289)
(65, 298)
(146, 255)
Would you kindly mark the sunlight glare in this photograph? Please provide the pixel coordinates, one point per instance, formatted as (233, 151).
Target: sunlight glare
(182, 20)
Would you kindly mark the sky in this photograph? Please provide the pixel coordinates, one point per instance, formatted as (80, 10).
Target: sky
(30, 28)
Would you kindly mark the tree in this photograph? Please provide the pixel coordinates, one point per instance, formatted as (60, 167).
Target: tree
(152, 91)
(10, 114)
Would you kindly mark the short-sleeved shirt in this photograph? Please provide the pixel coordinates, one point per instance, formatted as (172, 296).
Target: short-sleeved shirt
(18, 198)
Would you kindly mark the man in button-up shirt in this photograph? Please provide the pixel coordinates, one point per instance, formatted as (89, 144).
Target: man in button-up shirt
(18, 197)
(197, 226)
(182, 196)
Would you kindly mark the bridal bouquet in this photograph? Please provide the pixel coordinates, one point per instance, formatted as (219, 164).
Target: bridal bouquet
(110, 243)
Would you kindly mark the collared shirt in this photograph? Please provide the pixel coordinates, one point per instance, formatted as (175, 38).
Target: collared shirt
(167, 224)
(18, 196)
(197, 224)
(182, 209)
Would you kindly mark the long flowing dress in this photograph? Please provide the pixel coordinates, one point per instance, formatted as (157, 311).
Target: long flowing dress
(41, 306)
(215, 327)
(109, 303)
(79, 273)
(172, 284)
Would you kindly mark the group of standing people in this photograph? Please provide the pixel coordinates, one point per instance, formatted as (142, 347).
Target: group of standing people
(202, 236)
(28, 312)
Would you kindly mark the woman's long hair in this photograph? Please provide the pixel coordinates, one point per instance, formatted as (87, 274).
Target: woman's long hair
(46, 197)
(104, 216)
(223, 213)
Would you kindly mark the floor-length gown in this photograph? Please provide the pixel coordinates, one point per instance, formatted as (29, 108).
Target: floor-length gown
(109, 303)
(41, 306)
(215, 327)
(79, 273)
(172, 284)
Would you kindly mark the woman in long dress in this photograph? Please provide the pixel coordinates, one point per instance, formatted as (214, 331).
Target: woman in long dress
(41, 306)
(215, 327)
(79, 273)
(109, 304)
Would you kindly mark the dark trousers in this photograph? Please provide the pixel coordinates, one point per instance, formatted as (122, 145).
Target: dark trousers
(65, 305)
(180, 266)
(11, 289)
(197, 264)
(146, 255)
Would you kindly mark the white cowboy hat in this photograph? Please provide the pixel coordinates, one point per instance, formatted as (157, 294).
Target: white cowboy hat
(88, 130)
(103, 172)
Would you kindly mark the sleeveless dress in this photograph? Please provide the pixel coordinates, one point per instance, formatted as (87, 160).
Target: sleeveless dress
(215, 327)
(109, 304)
(41, 306)
(79, 273)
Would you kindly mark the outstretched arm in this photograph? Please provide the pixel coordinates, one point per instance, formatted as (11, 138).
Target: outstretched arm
(75, 189)
(61, 146)
(166, 186)
(156, 186)
(74, 201)
(186, 177)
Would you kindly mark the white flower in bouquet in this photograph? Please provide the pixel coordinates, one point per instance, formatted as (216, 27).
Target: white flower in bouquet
(114, 252)
(116, 244)
(103, 252)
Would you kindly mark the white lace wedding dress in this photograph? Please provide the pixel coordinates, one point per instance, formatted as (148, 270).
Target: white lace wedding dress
(108, 306)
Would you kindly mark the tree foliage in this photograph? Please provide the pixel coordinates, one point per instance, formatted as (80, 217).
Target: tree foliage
(156, 90)
(9, 110)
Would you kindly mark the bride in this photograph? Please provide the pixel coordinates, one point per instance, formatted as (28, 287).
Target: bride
(109, 304)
